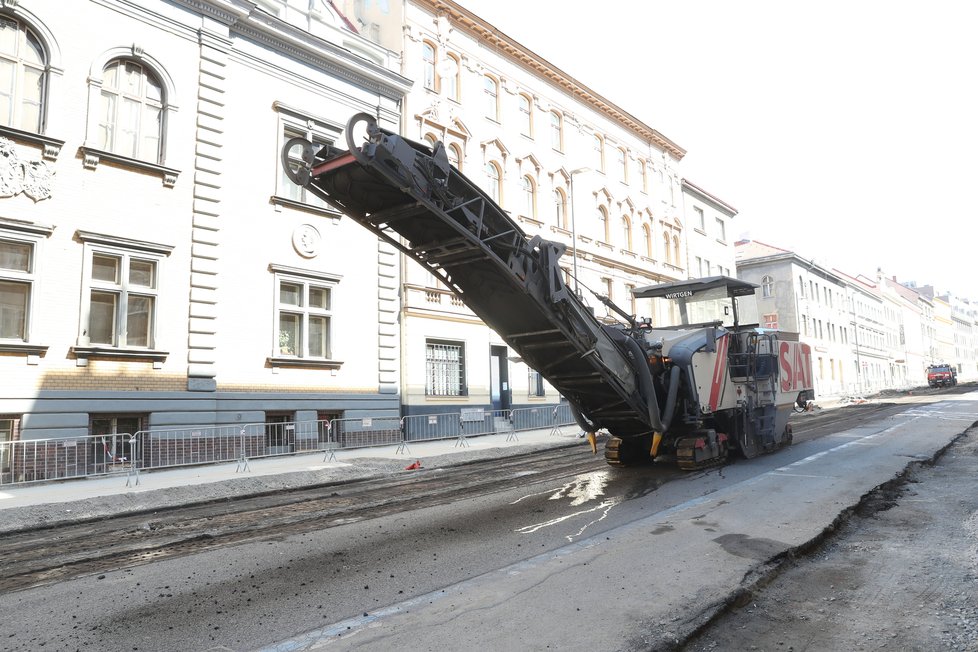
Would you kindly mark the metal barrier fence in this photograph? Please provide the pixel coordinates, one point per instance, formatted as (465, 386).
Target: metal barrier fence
(40, 460)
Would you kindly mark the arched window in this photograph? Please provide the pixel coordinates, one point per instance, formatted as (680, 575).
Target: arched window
(666, 248)
(676, 258)
(529, 197)
(560, 201)
(767, 287)
(526, 115)
(626, 233)
(131, 119)
(450, 79)
(430, 139)
(491, 97)
(643, 172)
(428, 58)
(23, 77)
(622, 159)
(605, 224)
(647, 239)
(556, 131)
(597, 147)
(493, 176)
(455, 156)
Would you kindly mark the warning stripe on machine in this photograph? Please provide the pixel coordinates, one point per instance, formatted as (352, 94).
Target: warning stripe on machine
(719, 371)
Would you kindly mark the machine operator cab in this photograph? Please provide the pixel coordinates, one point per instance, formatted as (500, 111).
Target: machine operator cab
(696, 303)
(710, 304)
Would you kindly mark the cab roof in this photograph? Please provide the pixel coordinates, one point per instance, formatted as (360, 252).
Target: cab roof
(735, 287)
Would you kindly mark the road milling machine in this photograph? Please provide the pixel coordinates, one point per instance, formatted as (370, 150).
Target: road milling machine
(694, 390)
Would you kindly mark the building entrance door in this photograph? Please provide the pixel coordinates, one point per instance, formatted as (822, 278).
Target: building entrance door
(499, 379)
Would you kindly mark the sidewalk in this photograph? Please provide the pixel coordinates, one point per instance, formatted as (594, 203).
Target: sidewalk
(32, 505)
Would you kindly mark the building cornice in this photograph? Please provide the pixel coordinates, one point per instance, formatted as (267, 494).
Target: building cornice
(247, 20)
(499, 42)
(703, 195)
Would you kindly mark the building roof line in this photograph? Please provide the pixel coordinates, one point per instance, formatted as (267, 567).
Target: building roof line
(504, 44)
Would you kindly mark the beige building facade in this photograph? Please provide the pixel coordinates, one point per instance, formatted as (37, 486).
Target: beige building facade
(566, 163)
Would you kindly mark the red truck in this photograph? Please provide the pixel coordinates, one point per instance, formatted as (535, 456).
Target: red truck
(942, 375)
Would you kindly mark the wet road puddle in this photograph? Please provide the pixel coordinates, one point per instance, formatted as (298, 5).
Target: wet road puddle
(582, 491)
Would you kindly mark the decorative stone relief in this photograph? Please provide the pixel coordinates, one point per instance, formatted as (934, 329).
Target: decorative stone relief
(306, 240)
(33, 178)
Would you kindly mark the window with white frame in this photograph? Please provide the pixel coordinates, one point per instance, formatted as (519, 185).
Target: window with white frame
(529, 197)
(455, 156)
(122, 300)
(597, 152)
(16, 288)
(721, 230)
(450, 77)
(556, 131)
(320, 133)
(122, 287)
(622, 165)
(444, 368)
(493, 176)
(699, 218)
(560, 204)
(490, 90)
(526, 115)
(428, 58)
(303, 314)
(626, 233)
(132, 108)
(23, 71)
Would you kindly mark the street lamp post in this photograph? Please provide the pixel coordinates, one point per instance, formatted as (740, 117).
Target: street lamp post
(574, 224)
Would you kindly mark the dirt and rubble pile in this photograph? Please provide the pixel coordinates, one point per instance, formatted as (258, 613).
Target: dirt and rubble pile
(902, 574)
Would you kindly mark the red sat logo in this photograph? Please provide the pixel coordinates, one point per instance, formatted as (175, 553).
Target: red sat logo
(795, 359)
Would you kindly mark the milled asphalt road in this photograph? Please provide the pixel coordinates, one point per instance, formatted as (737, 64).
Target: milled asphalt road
(650, 583)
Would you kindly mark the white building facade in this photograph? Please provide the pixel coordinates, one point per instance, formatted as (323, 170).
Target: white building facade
(156, 268)
(710, 250)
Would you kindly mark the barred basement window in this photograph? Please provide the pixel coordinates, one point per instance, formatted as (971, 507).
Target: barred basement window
(445, 368)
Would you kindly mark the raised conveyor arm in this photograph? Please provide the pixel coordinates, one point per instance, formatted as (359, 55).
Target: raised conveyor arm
(410, 196)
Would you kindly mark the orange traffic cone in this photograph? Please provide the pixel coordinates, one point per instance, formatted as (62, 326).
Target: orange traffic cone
(412, 467)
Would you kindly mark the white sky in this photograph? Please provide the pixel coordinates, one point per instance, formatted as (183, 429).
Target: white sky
(844, 130)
